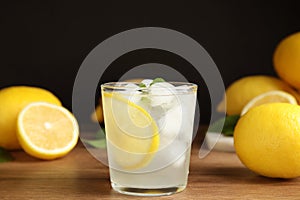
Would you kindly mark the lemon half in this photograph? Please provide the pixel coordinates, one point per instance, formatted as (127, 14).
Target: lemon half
(275, 96)
(240, 92)
(47, 131)
(12, 100)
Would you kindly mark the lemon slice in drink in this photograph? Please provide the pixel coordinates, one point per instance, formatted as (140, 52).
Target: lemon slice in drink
(132, 134)
(47, 131)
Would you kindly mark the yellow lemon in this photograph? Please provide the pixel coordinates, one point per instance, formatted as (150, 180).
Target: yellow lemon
(240, 92)
(287, 59)
(274, 96)
(132, 134)
(47, 131)
(12, 101)
(267, 140)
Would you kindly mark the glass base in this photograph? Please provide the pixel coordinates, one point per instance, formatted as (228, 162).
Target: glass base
(147, 191)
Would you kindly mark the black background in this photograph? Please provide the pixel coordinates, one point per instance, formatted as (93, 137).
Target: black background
(44, 43)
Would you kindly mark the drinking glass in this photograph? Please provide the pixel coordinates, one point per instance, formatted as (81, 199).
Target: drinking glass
(149, 131)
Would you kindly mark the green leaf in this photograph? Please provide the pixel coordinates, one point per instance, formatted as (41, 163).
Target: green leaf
(157, 80)
(145, 100)
(228, 127)
(5, 156)
(142, 85)
(100, 134)
(99, 141)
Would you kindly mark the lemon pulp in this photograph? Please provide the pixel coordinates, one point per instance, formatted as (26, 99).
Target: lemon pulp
(275, 96)
(47, 131)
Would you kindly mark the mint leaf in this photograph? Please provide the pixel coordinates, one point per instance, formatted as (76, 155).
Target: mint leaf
(142, 85)
(145, 100)
(5, 156)
(157, 80)
(228, 127)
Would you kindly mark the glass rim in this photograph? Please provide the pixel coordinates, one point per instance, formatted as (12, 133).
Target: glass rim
(122, 84)
(175, 83)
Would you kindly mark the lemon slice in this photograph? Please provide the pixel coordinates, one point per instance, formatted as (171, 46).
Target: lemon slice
(47, 131)
(269, 97)
(132, 134)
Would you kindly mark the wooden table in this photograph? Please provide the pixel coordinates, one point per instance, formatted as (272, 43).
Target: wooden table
(79, 176)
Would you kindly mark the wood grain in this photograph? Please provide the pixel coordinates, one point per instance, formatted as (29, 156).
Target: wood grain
(79, 176)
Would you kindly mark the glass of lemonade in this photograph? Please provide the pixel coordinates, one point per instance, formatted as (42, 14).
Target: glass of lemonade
(149, 131)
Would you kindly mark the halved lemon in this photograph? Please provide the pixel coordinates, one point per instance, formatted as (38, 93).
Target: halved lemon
(132, 134)
(47, 131)
(275, 96)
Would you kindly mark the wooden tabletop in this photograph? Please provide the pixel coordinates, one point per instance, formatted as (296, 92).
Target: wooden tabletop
(220, 175)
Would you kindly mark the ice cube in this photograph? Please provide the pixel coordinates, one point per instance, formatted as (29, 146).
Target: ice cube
(170, 125)
(188, 102)
(156, 112)
(176, 152)
(131, 92)
(172, 154)
(161, 94)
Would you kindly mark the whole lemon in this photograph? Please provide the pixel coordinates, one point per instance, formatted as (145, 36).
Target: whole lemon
(240, 92)
(267, 140)
(287, 60)
(12, 100)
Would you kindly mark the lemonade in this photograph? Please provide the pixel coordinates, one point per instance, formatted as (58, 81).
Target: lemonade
(149, 129)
